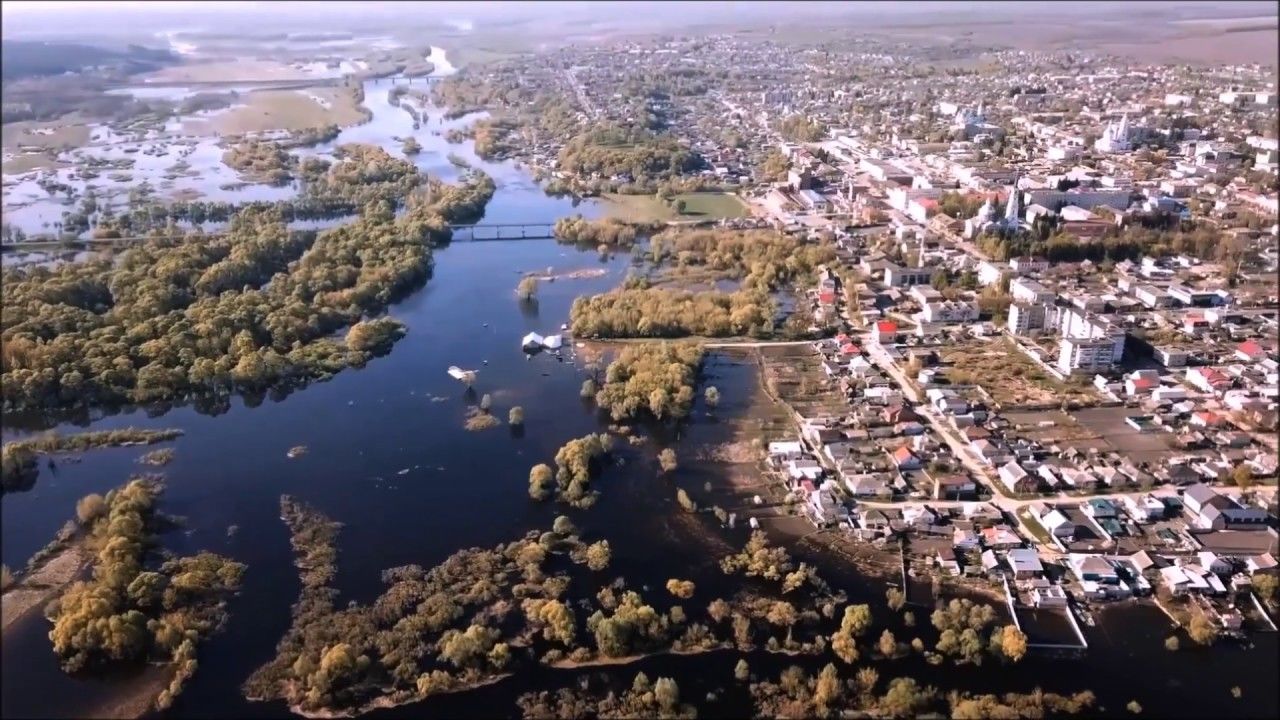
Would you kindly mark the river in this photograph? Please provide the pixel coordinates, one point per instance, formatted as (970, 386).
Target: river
(389, 458)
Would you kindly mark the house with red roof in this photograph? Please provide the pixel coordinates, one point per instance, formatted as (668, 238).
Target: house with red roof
(904, 460)
(1207, 418)
(1140, 385)
(886, 332)
(1210, 380)
(1251, 351)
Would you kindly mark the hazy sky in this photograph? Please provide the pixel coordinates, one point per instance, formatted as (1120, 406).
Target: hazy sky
(34, 18)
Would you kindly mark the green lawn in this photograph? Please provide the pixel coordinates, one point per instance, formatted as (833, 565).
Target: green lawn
(1034, 527)
(698, 206)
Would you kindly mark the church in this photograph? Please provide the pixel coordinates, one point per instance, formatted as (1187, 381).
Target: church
(1115, 139)
(986, 221)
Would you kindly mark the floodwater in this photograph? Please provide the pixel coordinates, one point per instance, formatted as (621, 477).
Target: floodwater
(174, 164)
(389, 458)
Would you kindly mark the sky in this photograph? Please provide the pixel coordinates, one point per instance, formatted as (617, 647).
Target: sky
(78, 17)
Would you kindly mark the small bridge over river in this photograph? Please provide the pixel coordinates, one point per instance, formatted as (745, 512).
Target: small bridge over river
(502, 231)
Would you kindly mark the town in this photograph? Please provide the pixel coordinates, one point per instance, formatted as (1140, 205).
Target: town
(1050, 354)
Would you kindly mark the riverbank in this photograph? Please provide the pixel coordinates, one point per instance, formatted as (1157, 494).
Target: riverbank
(39, 586)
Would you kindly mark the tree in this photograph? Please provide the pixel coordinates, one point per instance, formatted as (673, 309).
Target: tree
(682, 497)
(866, 679)
(541, 480)
(6, 578)
(782, 614)
(1242, 476)
(741, 672)
(1202, 630)
(599, 555)
(588, 388)
(682, 589)
(896, 598)
(904, 698)
(668, 461)
(712, 396)
(1265, 584)
(844, 646)
(515, 416)
(563, 526)
(1134, 707)
(90, 508)
(827, 691)
(666, 693)
(856, 620)
(718, 609)
(888, 644)
(1013, 643)
(527, 288)
(486, 402)
(1171, 643)
(680, 206)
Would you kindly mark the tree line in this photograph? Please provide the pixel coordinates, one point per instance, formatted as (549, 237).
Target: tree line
(253, 309)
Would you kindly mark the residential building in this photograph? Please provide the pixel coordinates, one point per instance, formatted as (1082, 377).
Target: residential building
(1078, 355)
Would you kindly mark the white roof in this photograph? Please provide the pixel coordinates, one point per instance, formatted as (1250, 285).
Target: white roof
(785, 446)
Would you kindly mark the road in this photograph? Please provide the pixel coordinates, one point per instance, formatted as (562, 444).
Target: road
(753, 344)
(1012, 505)
(581, 92)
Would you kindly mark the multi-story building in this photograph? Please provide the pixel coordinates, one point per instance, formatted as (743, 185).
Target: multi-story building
(1083, 333)
(1029, 291)
(1081, 355)
(949, 311)
(1025, 318)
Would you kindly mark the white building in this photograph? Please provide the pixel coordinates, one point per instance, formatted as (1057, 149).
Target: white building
(1078, 355)
(1029, 291)
(950, 311)
(1024, 318)
(1115, 139)
(897, 276)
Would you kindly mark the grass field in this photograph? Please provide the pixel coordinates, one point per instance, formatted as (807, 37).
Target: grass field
(698, 206)
(229, 71)
(280, 110)
(1012, 379)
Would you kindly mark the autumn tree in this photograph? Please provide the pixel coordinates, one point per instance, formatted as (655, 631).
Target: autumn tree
(541, 481)
(682, 589)
(888, 644)
(527, 288)
(667, 460)
(598, 555)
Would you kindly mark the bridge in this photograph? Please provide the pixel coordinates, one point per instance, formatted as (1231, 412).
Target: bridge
(502, 231)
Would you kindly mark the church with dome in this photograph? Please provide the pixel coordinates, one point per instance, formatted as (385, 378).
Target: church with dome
(985, 221)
